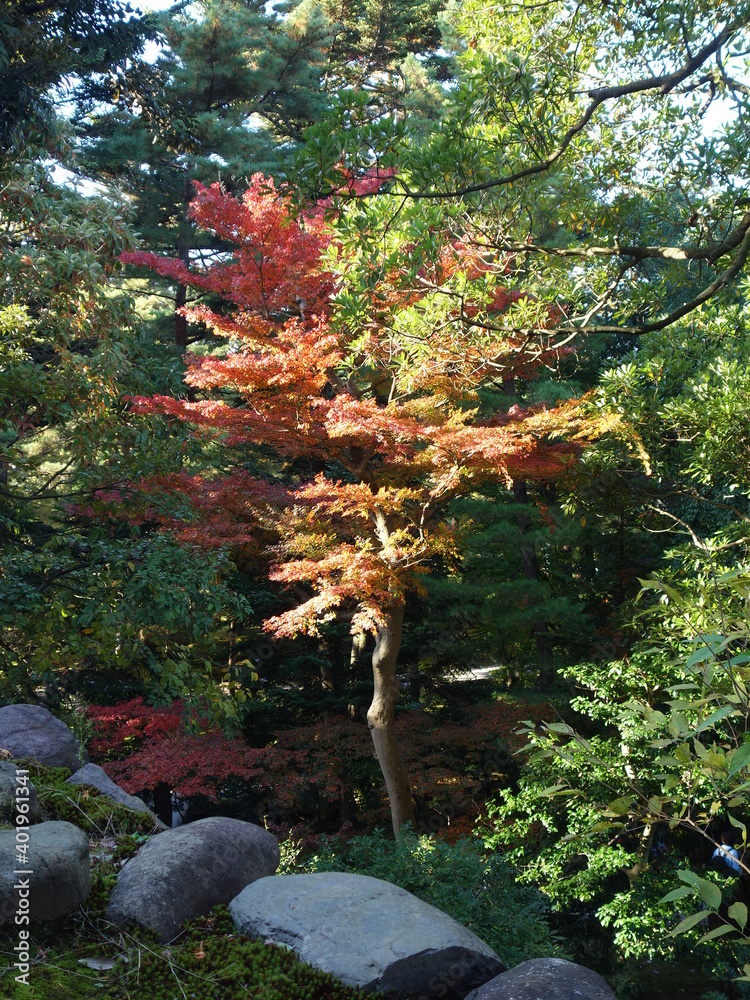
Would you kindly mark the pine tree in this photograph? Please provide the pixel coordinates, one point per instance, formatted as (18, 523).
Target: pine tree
(44, 45)
(232, 95)
(232, 83)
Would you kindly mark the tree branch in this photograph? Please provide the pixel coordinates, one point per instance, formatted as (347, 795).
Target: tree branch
(709, 252)
(664, 84)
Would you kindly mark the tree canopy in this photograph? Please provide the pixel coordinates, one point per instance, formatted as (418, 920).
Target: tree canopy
(393, 339)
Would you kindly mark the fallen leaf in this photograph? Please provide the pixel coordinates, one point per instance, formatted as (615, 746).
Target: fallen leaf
(100, 964)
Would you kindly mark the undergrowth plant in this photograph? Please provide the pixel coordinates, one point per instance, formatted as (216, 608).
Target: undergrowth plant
(625, 818)
(476, 888)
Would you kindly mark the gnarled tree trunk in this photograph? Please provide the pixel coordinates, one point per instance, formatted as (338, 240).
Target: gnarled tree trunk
(381, 718)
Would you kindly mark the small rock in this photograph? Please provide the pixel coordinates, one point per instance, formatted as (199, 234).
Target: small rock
(31, 732)
(56, 876)
(366, 932)
(543, 979)
(181, 874)
(96, 777)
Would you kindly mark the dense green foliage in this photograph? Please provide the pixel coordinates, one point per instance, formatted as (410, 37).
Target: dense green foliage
(594, 157)
(56, 44)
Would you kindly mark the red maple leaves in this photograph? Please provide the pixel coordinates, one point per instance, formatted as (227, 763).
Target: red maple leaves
(397, 410)
(452, 765)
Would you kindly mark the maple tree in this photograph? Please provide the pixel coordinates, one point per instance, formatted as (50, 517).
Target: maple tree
(389, 420)
(143, 747)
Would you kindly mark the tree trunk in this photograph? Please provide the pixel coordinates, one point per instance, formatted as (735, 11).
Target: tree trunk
(355, 658)
(180, 299)
(183, 252)
(381, 718)
(358, 649)
(531, 572)
(163, 803)
(327, 671)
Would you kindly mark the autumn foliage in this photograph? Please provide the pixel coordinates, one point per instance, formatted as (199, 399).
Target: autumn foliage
(142, 747)
(382, 408)
(402, 425)
(323, 775)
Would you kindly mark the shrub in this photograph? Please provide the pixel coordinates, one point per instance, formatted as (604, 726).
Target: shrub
(476, 888)
(85, 807)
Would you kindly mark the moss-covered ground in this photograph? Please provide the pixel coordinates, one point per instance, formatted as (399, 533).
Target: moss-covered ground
(85, 957)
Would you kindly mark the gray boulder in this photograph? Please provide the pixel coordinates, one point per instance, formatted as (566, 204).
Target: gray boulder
(95, 777)
(181, 874)
(545, 979)
(12, 794)
(366, 932)
(30, 731)
(56, 879)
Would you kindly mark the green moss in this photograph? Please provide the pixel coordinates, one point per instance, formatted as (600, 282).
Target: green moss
(58, 976)
(211, 961)
(208, 961)
(85, 807)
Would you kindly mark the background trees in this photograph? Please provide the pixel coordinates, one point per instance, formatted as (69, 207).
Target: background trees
(47, 45)
(231, 83)
(231, 93)
(83, 605)
(534, 228)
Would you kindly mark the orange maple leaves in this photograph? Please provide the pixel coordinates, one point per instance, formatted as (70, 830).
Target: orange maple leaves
(405, 433)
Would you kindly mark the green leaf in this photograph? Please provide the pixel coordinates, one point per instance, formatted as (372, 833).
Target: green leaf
(715, 717)
(688, 922)
(668, 762)
(559, 727)
(699, 655)
(663, 587)
(680, 893)
(738, 913)
(710, 893)
(540, 755)
(678, 724)
(739, 825)
(717, 932)
(740, 759)
(690, 877)
(620, 806)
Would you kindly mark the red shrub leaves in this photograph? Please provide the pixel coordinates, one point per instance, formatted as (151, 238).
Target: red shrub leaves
(322, 773)
(141, 747)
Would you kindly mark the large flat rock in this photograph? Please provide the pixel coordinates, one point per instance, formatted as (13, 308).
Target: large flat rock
(96, 777)
(181, 874)
(56, 876)
(30, 731)
(366, 932)
(545, 979)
